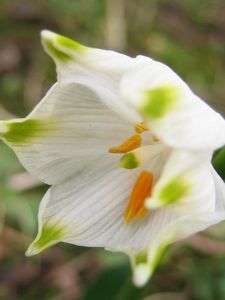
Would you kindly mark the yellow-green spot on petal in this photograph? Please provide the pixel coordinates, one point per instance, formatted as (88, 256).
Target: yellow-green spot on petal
(50, 235)
(59, 47)
(23, 130)
(141, 258)
(128, 161)
(174, 190)
(159, 101)
(53, 50)
(68, 43)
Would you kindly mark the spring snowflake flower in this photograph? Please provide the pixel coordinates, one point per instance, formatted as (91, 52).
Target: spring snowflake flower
(127, 147)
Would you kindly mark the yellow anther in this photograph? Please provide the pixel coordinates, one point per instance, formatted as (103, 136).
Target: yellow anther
(140, 127)
(141, 190)
(130, 144)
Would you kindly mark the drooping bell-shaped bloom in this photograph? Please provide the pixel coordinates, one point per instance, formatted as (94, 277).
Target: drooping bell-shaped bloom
(127, 147)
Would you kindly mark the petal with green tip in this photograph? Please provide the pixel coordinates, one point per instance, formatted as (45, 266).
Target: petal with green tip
(61, 49)
(178, 230)
(98, 69)
(181, 183)
(49, 236)
(171, 110)
(69, 130)
(91, 209)
(174, 191)
(23, 131)
(159, 101)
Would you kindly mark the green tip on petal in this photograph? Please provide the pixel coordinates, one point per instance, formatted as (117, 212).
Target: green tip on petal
(128, 161)
(141, 275)
(50, 235)
(22, 130)
(140, 258)
(173, 191)
(60, 47)
(145, 263)
(159, 101)
(141, 271)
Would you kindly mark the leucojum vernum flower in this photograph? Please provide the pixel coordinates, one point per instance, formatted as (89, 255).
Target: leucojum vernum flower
(126, 147)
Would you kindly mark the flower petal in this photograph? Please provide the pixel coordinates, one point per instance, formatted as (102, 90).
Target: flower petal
(172, 111)
(220, 191)
(64, 50)
(89, 210)
(98, 69)
(177, 230)
(186, 183)
(68, 130)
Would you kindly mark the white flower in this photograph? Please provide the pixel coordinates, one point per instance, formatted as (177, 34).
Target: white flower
(126, 146)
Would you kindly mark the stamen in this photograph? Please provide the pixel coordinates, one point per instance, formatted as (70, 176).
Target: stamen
(141, 190)
(131, 143)
(140, 127)
(155, 138)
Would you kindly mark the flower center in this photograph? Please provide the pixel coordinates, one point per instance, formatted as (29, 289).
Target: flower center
(141, 190)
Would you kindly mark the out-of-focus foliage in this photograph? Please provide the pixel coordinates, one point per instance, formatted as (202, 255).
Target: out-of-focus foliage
(190, 37)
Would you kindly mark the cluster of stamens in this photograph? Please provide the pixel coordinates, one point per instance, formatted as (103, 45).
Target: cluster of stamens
(142, 188)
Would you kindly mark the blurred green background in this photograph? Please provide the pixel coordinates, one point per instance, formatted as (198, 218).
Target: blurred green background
(187, 35)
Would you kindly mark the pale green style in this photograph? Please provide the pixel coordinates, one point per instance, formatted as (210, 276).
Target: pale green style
(128, 161)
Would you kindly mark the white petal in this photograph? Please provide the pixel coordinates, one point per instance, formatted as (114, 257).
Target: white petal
(98, 69)
(177, 230)
(177, 116)
(180, 228)
(90, 210)
(186, 184)
(105, 61)
(68, 130)
(220, 191)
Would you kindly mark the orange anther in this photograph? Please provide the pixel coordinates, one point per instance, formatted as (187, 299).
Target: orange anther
(131, 143)
(141, 190)
(140, 127)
